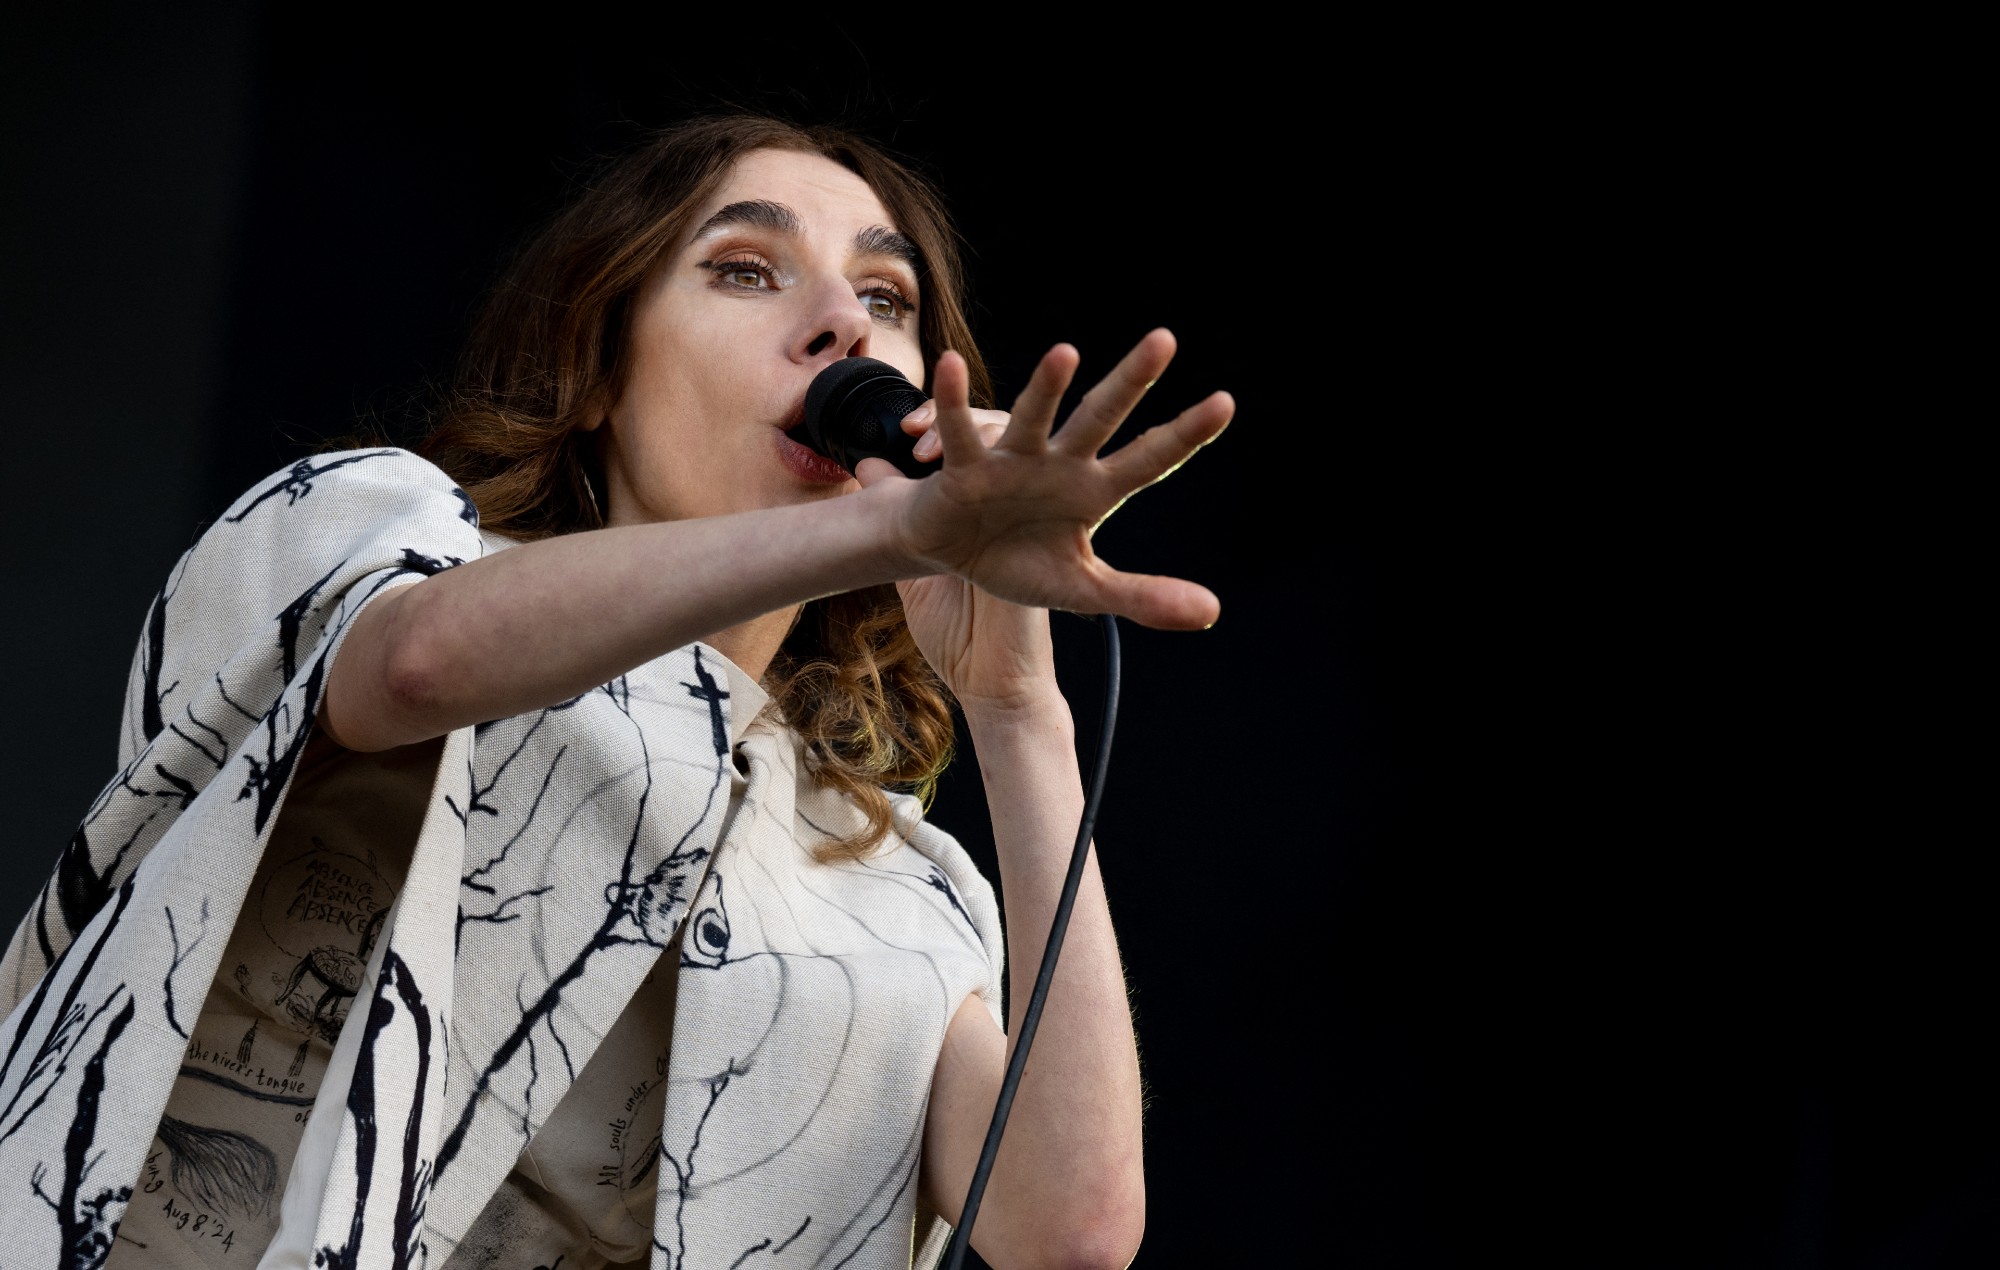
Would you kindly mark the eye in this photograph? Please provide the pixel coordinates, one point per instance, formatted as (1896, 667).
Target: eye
(742, 272)
(886, 302)
(709, 932)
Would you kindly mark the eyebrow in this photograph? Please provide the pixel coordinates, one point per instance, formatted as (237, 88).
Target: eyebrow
(762, 213)
(880, 240)
(757, 213)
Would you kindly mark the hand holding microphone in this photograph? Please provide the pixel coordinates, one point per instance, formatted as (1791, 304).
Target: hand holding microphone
(1018, 518)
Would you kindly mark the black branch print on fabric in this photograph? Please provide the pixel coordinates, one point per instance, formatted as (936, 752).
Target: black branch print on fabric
(417, 1174)
(181, 791)
(183, 787)
(222, 690)
(297, 482)
(934, 878)
(591, 843)
(500, 914)
(776, 1250)
(743, 1067)
(229, 1172)
(88, 1223)
(476, 798)
(47, 1065)
(590, 853)
(634, 906)
(683, 1168)
(180, 955)
(415, 561)
(152, 697)
(888, 1209)
(534, 1066)
(80, 889)
(267, 778)
(151, 720)
(202, 745)
(291, 619)
(412, 1199)
(881, 1205)
(939, 882)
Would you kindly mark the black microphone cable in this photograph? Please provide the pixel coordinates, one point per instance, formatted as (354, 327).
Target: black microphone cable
(962, 1233)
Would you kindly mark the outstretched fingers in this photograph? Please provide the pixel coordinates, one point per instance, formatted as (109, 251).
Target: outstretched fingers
(1162, 603)
(1034, 414)
(951, 392)
(1112, 398)
(1159, 450)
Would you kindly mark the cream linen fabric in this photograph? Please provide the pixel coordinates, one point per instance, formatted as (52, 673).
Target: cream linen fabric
(560, 853)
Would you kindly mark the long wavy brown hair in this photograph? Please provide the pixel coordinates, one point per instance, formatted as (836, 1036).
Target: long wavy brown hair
(549, 343)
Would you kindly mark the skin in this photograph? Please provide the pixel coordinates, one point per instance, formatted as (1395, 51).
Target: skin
(727, 334)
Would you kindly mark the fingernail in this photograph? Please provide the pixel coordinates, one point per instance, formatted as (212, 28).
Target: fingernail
(922, 414)
(928, 445)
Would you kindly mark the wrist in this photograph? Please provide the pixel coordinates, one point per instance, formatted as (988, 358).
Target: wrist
(883, 508)
(1034, 710)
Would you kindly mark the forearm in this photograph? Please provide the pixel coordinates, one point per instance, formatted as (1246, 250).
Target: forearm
(1071, 1155)
(545, 621)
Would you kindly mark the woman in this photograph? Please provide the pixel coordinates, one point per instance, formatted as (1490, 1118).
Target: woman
(671, 684)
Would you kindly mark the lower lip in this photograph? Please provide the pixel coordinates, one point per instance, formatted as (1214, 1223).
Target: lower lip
(810, 465)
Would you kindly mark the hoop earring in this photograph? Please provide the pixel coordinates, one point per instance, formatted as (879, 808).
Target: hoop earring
(587, 464)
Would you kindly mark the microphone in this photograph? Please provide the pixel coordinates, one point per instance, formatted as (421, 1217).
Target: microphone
(854, 411)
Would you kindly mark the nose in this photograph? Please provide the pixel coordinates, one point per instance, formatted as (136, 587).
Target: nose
(836, 325)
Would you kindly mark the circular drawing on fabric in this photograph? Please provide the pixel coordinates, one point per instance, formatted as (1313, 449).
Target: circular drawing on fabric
(323, 909)
(635, 1146)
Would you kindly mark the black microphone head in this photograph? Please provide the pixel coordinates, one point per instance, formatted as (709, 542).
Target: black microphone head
(854, 410)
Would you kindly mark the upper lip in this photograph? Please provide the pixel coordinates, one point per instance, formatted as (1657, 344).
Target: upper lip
(796, 416)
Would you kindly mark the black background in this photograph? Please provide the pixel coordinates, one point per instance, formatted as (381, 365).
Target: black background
(1560, 849)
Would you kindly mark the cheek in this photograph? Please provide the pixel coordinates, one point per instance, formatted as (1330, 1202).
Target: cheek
(674, 401)
(904, 353)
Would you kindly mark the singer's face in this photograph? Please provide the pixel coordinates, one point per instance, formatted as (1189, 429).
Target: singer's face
(790, 266)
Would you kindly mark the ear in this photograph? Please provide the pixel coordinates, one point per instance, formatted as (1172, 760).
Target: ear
(598, 411)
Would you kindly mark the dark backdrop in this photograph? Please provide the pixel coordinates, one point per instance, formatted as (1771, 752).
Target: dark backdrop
(1531, 862)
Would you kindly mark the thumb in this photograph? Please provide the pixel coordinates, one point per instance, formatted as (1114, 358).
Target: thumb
(873, 471)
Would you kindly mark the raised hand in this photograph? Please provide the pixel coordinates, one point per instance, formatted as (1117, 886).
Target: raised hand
(1010, 518)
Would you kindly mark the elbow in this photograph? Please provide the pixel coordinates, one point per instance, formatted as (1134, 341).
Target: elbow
(1106, 1237)
(1109, 1243)
(1116, 1236)
(410, 694)
(400, 691)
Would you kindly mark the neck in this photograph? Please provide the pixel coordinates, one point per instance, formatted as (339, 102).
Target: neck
(752, 644)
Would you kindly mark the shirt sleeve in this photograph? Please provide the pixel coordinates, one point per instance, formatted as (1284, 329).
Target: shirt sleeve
(969, 893)
(225, 681)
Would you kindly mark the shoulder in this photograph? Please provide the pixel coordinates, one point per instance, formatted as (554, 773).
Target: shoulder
(951, 873)
(382, 476)
(969, 888)
(305, 547)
